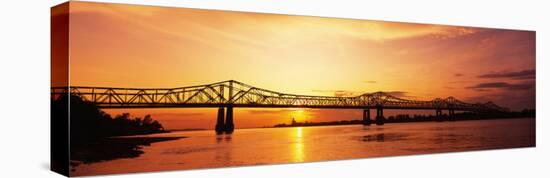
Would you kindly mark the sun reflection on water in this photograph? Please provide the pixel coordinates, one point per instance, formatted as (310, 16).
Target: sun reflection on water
(298, 146)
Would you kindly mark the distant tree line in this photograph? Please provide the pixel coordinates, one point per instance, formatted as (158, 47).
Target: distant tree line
(403, 118)
(307, 123)
(87, 122)
(461, 116)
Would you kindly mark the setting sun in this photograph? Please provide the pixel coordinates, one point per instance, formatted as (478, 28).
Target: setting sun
(300, 115)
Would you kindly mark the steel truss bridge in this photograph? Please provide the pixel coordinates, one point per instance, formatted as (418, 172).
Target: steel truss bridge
(231, 93)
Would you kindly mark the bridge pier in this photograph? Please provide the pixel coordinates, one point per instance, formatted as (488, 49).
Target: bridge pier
(379, 115)
(438, 115)
(366, 117)
(451, 114)
(220, 122)
(229, 127)
(224, 122)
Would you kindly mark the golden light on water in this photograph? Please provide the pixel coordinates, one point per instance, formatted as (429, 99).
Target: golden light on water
(299, 132)
(298, 146)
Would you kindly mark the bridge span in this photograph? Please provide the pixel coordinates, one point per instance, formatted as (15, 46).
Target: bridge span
(227, 95)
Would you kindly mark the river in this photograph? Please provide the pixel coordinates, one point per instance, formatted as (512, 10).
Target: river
(204, 149)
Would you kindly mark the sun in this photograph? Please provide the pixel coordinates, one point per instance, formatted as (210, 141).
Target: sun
(300, 115)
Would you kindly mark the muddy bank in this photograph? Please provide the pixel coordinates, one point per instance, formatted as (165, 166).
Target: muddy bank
(112, 148)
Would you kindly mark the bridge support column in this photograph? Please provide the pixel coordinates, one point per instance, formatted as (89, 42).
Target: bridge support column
(366, 117)
(220, 124)
(438, 115)
(379, 115)
(229, 127)
(451, 114)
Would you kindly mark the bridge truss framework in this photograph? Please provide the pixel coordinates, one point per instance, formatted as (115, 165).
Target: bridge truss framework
(226, 95)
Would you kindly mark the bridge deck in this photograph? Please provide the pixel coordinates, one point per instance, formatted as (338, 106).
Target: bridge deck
(237, 94)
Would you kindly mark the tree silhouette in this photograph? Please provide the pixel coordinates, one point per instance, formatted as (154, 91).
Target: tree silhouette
(88, 122)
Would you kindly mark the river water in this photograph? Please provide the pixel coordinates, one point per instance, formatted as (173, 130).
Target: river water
(204, 149)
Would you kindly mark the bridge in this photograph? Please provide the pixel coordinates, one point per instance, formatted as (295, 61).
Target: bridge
(227, 95)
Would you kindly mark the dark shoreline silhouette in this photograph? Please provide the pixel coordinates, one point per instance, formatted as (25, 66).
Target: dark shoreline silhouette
(112, 148)
(405, 118)
(95, 136)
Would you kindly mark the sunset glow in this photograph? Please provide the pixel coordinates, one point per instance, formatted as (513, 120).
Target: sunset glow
(146, 46)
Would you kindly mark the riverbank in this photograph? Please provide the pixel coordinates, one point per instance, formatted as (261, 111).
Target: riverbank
(107, 149)
(386, 121)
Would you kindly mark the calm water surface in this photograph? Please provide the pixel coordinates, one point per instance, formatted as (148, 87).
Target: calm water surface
(203, 149)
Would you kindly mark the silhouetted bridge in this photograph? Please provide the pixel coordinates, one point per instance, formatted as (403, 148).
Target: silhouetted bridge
(229, 94)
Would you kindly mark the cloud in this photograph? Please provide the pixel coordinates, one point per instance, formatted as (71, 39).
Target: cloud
(459, 75)
(379, 30)
(454, 32)
(515, 100)
(523, 74)
(398, 93)
(481, 89)
(347, 93)
(274, 111)
(455, 82)
(342, 93)
(339, 93)
(279, 111)
(500, 85)
(323, 91)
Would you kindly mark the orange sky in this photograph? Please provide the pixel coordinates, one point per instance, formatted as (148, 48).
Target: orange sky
(144, 46)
